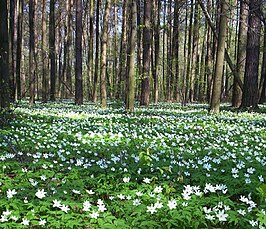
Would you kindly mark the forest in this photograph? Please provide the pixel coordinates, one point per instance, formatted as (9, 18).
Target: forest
(133, 114)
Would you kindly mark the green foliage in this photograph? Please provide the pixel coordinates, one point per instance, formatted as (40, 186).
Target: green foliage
(161, 167)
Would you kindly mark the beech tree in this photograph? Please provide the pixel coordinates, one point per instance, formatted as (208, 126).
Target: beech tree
(78, 48)
(4, 56)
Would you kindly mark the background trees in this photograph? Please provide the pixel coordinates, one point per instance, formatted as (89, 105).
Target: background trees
(178, 43)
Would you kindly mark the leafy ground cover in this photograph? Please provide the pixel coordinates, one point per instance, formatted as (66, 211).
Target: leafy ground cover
(165, 166)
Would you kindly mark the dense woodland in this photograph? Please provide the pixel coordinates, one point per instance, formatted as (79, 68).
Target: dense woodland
(134, 50)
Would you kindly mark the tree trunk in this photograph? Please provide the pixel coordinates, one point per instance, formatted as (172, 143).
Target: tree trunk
(52, 53)
(263, 71)
(104, 54)
(219, 66)
(45, 74)
(4, 57)
(241, 53)
(78, 50)
(97, 41)
(131, 71)
(19, 48)
(123, 52)
(250, 92)
(90, 52)
(32, 70)
(13, 33)
(145, 84)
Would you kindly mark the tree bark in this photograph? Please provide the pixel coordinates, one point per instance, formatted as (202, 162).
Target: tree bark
(97, 41)
(4, 57)
(145, 84)
(104, 54)
(19, 48)
(78, 49)
(250, 90)
(241, 53)
(131, 73)
(52, 52)
(45, 74)
(32, 70)
(263, 71)
(219, 66)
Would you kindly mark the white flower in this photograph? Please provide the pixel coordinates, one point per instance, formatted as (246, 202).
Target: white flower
(40, 193)
(86, 206)
(151, 209)
(253, 223)
(42, 222)
(75, 191)
(158, 189)
(43, 177)
(57, 204)
(126, 179)
(158, 204)
(10, 193)
(3, 219)
(15, 218)
(172, 204)
(7, 213)
(94, 215)
(121, 196)
(90, 192)
(221, 215)
(209, 217)
(64, 208)
(139, 194)
(25, 222)
(241, 212)
(101, 208)
(136, 202)
(147, 180)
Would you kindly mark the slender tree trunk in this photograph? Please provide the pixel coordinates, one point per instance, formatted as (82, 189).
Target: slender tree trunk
(219, 66)
(13, 40)
(52, 51)
(157, 50)
(90, 52)
(169, 61)
(189, 54)
(97, 41)
(4, 57)
(45, 74)
(250, 92)
(145, 85)
(104, 54)
(131, 73)
(19, 48)
(175, 54)
(241, 53)
(123, 51)
(78, 49)
(194, 60)
(32, 72)
(263, 71)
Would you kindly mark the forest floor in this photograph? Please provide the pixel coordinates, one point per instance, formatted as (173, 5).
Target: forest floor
(166, 166)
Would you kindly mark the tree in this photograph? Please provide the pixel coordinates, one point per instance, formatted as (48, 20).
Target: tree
(4, 56)
(250, 90)
(263, 71)
(78, 63)
(241, 53)
(45, 79)
(131, 68)
(104, 54)
(32, 70)
(219, 66)
(52, 53)
(123, 51)
(97, 36)
(19, 48)
(145, 84)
